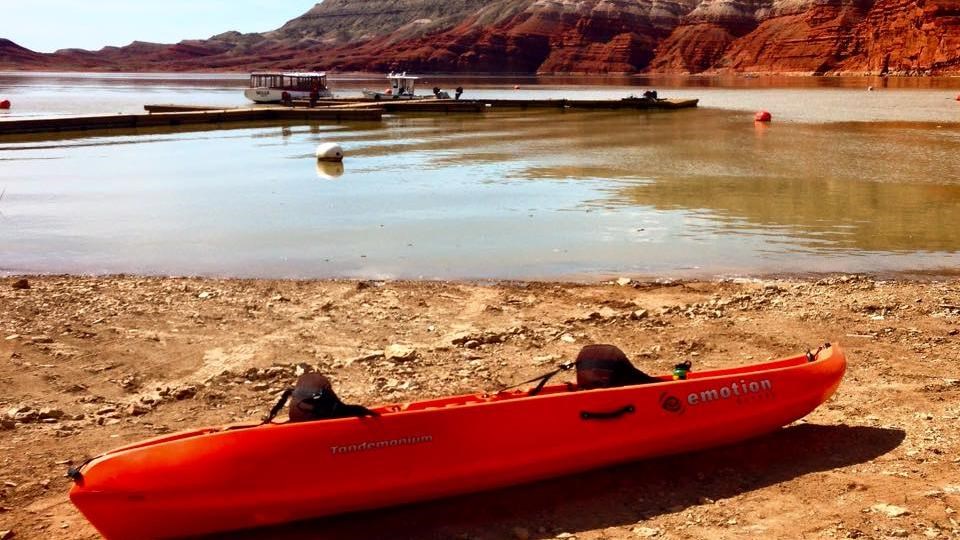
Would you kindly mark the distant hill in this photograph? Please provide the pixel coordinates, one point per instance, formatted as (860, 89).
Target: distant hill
(905, 37)
(13, 55)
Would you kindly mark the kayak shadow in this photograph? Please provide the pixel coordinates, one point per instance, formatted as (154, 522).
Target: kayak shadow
(615, 496)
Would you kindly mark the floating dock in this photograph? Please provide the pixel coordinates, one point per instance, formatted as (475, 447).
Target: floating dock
(478, 105)
(438, 106)
(171, 116)
(596, 104)
(335, 110)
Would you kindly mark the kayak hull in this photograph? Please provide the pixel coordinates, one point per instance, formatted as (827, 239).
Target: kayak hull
(223, 479)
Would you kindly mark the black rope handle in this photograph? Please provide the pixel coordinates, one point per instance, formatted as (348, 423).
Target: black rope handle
(814, 356)
(544, 379)
(608, 415)
(279, 406)
(76, 473)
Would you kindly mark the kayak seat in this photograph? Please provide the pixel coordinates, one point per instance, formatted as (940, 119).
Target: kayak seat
(606, 366)
(313, 398)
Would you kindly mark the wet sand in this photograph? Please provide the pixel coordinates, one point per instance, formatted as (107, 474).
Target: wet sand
(92, 363)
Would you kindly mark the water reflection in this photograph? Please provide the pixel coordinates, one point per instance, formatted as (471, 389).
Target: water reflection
(329, 170)
(815, 213)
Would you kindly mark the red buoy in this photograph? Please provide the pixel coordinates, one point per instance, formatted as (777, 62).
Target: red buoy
(5, 104)
(762, 116)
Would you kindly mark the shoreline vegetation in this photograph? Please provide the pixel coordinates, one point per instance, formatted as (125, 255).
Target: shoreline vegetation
(92, 363)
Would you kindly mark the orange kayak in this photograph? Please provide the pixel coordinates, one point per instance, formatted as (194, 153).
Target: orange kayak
(238, 477)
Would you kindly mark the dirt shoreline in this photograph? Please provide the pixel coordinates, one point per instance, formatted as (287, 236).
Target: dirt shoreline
(90, 363)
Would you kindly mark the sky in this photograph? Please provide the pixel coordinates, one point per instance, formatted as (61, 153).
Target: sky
(48, 25)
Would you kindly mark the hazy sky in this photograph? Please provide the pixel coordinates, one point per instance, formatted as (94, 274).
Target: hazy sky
(48, 25)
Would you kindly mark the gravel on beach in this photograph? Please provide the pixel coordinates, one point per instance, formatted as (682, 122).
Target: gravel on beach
(91, 363)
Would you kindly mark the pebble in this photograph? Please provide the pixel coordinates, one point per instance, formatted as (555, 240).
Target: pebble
(624, 281)
(482, 338)
(136, 409)
(646, 532)
(639, 314)
(184, 392)
(21, 284)
(366, 357)
(567, 338)
(51, 413)
(399, 353)
(607, 313)
(23, 413)
(547, 359)
(890, 510)
(7, 535)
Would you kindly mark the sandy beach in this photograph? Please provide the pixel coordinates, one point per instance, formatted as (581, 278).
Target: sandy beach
(93, 363)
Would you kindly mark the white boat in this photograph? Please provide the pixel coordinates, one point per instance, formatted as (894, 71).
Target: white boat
(402, 86)
(276, 86)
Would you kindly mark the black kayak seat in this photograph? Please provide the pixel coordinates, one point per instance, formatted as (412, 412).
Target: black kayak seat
(606, 366)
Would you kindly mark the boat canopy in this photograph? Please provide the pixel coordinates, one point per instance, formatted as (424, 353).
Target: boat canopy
(401, 83)
(292, 80)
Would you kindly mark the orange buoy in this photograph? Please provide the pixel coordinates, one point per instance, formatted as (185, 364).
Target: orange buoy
(762, 116)
(5, 104)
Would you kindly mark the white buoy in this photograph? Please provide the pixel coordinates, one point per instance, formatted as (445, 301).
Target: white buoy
(329, 152)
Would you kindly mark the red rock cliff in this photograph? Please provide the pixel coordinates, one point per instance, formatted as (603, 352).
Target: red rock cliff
(907, 37)
(570, 36)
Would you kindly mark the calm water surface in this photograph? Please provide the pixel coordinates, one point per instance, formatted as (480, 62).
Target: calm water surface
(843, 180)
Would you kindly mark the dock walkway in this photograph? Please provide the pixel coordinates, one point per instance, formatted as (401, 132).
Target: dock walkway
(169, 115)
(478, 105)
(336, 110)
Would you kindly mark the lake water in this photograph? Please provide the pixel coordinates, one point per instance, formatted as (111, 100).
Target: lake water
(843, 180)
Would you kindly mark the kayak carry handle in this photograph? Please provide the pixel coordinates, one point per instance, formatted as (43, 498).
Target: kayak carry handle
(610, 415)
(814, 356)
